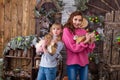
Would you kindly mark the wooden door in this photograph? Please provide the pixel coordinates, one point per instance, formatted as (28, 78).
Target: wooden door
(111, 52)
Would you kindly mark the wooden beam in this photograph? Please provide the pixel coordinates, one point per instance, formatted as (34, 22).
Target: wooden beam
(25, 21)
(19, 16)
(107, 5)
(1, 27)
(91, 5)
(116, 2)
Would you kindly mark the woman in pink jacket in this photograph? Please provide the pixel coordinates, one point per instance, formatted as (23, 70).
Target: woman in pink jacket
(77, 53)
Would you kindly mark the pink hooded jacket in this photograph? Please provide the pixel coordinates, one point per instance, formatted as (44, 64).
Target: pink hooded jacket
(76, 53)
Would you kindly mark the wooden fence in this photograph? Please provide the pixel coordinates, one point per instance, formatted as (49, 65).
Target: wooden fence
(16, 19)
(111, 51)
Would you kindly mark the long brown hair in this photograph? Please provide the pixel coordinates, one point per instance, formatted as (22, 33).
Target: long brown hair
(69, 23)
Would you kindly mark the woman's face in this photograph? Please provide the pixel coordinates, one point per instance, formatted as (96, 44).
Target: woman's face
(77, 21)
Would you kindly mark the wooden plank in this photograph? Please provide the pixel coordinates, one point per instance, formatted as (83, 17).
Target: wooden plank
(7, 22)
(20, 16)
(1, 26)
(31, 16)
(116, 53)
(28, 17)
(110, 46)
(117, 16)
(115, 57)
(114, 76)
(28, 27)
(107, 44)
(109, 17)
(111, 52)
(14, 18)
(25, 21)
(106, 23)
(118, 74)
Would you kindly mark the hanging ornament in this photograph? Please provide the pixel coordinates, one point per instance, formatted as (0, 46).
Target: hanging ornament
(118, 40)
(95, 19)
(97, 35)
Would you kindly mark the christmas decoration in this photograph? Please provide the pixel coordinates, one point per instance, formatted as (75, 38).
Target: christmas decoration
(93, 19)
(118, 40)
(97, 35)
(21, 42)
(96, 25)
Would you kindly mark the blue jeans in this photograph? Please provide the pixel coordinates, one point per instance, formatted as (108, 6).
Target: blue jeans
(46, 73)
(77, 71)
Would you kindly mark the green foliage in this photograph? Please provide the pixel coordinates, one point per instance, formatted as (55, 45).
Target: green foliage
(21, 42)
(95, 19)
(117, 40)
(96, 24)
(97, 35)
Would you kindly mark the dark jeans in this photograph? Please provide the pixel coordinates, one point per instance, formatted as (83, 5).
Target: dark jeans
(76, 71)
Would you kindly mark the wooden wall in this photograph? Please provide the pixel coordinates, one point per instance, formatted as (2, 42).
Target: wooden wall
(16, 19)
(111, 51)
(100, 7)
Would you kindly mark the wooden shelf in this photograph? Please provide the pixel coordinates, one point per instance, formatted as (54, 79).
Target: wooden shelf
(17, 57)
(15, 60)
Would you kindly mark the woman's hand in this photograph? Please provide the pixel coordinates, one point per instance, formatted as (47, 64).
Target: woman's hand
(87, 38)
(92, 36)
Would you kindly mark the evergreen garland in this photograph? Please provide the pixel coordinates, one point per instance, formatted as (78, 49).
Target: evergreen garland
(21, 42)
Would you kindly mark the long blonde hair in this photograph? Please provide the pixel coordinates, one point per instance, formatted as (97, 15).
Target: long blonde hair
(49, 37)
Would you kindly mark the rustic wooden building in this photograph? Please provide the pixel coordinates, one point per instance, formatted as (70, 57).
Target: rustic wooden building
(111, 51)
(16, 19)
